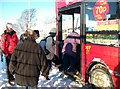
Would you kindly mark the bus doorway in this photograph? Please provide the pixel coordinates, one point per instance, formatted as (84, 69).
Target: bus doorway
(69, 21)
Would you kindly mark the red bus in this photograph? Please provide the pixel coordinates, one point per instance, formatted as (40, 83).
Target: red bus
(98, 22)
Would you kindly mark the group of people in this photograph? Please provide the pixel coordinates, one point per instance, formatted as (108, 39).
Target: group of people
(26, 60)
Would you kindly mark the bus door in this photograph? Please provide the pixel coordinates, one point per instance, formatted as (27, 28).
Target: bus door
(68, 21)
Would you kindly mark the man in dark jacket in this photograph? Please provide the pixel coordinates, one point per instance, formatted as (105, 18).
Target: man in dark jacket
(27, 60)
(9, 41)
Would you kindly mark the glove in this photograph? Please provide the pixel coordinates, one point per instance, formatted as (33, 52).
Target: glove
(44, 78)
(1, 59)
(13, 72)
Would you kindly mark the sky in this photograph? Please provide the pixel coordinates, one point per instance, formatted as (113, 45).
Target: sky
(11, 10)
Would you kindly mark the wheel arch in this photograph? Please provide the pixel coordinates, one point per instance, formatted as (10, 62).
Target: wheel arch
(93, 63)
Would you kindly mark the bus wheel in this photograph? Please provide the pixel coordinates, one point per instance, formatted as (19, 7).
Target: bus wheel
(99, 77)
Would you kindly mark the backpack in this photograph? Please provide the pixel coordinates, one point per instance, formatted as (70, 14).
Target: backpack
(43, 45)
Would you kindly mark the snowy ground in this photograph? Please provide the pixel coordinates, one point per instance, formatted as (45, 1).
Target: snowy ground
(56, 81)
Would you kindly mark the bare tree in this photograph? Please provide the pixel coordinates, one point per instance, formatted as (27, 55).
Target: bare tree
(17, 28)
(28, 19)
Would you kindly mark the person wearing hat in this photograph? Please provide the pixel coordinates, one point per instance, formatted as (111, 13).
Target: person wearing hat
(27, 60)
(50, 46)
(50, 43)
(9, 41)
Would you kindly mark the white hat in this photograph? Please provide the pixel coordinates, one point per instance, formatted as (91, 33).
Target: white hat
(53, 30)
(9, 25)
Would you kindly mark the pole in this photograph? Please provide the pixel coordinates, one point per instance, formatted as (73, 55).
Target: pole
(28, 14)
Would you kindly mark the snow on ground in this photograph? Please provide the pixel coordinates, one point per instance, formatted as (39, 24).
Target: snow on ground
(56, 81)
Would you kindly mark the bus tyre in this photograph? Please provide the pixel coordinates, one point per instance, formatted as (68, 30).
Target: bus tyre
(100, 77)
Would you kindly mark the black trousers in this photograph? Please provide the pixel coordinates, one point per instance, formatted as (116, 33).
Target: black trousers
(49, 66)
(8, 74)
(46, 70)
(69, 63)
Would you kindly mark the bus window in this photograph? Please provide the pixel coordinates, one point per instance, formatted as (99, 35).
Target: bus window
(67, 24)
(104, 31)
(66, 27)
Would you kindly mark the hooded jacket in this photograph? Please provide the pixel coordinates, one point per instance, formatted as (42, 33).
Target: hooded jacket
(73, 38)
(27, 61)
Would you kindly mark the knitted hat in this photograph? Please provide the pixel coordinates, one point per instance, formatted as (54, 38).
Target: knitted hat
(9, 25)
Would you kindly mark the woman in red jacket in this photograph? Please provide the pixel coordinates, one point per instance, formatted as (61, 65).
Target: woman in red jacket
(9, 41)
